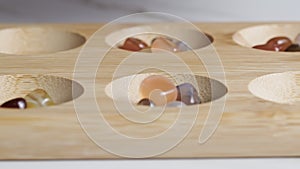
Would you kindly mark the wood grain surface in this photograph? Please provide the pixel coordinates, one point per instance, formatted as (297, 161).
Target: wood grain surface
(250, 126)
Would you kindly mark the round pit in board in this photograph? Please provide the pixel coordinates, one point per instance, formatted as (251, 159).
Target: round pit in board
(207, 89)
(274, 37)
(156, 38)
(32, 91)
(283, 88)
(37, 40)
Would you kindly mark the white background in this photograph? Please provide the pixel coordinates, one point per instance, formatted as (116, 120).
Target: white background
(193, 10)
(107, 10)
(156, 164)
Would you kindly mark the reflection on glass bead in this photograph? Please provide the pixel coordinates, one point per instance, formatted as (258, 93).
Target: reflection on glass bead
(181, 46)
(18, 103)
(188, 94)
(176, 104)
(38, 98)
(159, 89)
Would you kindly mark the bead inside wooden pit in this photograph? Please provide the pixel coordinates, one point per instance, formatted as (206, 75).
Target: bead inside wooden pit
(182, 37)
(208, 89)
(37, 90)
(270, 37)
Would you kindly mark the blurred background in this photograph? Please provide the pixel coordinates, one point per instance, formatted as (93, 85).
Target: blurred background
(108, 10)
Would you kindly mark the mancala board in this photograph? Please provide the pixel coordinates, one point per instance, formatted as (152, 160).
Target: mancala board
(257, 92)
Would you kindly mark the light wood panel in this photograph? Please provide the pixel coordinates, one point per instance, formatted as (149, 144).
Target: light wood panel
(250, 126)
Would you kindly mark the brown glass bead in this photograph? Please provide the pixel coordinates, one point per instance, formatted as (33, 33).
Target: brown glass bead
(188, 94)
(146, 102)
(18, 103)
(133, 44)
(275, 44)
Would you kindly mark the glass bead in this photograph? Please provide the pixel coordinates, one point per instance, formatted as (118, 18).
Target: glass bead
(133, 44)
(18, 103)
(181, 46)
(38, 98)
(275, 44)
(160, 44)
(188, 94)
(159, 89)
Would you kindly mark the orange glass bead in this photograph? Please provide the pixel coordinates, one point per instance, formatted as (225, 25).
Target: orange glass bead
(159, 89)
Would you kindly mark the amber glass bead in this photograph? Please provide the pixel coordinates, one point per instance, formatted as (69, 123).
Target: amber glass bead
(38, 98)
